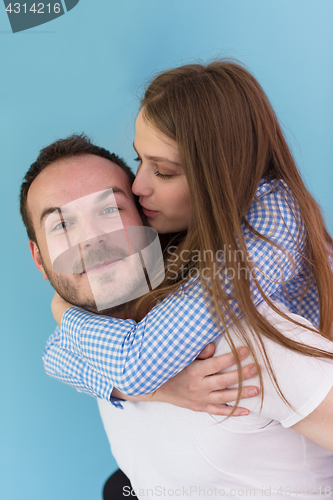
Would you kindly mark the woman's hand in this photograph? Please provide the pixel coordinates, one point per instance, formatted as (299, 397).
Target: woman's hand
(200, 386)
(59, 306)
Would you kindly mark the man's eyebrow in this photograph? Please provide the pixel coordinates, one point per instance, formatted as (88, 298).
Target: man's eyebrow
(160, 159)
(107, 192)
(50, 210)
(102, 196)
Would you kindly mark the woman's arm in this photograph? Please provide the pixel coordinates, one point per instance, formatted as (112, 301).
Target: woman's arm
(58, 307)
(198, 387)
(201, 386)
(138, 358)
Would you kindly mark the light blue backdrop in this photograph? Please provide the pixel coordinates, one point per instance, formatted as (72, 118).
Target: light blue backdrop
(83, 72)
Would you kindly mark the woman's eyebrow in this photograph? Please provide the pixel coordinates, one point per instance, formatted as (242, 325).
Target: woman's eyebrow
(160, 159)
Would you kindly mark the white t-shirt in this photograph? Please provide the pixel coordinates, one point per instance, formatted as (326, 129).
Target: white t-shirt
(167, 451)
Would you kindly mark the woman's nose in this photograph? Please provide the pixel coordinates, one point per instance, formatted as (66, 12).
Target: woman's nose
(142, 185)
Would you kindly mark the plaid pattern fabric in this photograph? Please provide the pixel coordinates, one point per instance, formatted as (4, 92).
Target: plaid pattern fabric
(96, 353)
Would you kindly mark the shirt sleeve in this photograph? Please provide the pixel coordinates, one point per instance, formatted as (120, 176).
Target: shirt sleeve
(304, 381)
(127, 354)
(279, 260)
(69, 368)
(138, 358)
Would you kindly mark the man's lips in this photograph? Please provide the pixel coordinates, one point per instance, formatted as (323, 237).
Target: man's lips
(148, 212)
(103, 266)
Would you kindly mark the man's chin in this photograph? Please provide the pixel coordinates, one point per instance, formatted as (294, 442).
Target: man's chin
(70, 293)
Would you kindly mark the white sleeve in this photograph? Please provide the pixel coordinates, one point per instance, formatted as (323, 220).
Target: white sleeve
(304, 381)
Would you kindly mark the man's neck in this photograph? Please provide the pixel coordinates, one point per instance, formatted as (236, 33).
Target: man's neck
(115, 313)
(123, 311)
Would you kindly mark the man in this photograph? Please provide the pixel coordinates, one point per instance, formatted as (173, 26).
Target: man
(71, 183)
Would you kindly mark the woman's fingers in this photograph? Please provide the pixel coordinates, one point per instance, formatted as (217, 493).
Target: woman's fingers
(202, 387)
(216, 402)
(225, 410)
(219, 363)
(207, 351)
(228, 396)
(228, 379)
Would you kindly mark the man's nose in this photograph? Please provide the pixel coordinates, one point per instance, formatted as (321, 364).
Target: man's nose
(142, 184)
(89, 233)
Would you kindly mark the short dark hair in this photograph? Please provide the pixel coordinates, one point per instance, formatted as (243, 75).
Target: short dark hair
(75, 145)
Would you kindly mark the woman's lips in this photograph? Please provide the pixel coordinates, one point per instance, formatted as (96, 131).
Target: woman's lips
(149, 213)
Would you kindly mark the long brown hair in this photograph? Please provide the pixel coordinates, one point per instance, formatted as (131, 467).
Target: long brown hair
(229, 138)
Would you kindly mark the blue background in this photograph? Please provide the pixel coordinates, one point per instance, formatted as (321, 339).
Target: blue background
(84, 72)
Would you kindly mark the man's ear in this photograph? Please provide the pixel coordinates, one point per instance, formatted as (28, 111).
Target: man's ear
(37, 258)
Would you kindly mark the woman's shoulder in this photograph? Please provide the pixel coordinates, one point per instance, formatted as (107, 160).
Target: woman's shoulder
(274, 211)
(276, 194)
(269, 185)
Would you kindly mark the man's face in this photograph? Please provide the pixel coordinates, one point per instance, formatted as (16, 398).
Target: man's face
(75, 205)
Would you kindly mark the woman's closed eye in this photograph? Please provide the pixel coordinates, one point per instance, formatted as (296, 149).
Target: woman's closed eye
(156, 171)
(163, 176)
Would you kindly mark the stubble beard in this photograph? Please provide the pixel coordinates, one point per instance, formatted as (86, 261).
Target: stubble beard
(69, 292)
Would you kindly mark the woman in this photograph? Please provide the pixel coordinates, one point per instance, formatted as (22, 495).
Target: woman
(215, 169)
(234, 160)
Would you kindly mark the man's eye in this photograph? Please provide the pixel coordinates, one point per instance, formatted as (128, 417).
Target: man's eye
(137, 159)
(110, 210)
(61, 225)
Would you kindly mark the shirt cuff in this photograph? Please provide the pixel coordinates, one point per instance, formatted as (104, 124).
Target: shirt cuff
(116, 402)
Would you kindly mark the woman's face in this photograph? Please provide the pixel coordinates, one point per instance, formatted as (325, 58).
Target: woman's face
(160, 181)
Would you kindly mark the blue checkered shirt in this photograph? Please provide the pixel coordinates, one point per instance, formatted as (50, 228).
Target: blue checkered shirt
(95, 353)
